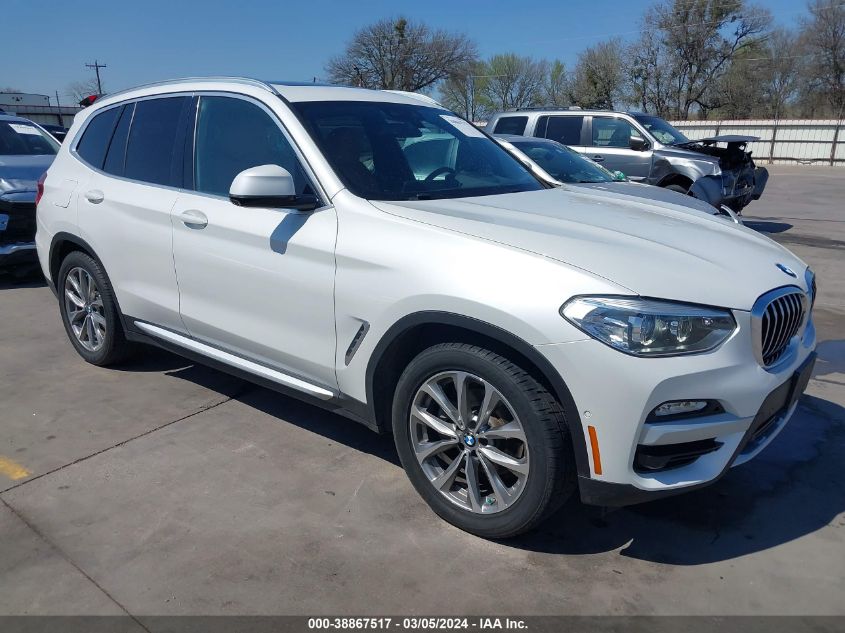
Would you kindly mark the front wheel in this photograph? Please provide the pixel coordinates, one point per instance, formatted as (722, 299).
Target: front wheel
(482, 441)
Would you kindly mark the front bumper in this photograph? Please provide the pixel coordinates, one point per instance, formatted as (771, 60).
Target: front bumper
(17, 229)
(615, 393)
(734, 189)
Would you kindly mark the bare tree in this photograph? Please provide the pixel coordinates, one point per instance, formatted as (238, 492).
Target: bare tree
(400, 54)
(784, 65)
(824, 34)
(648, 77)
(694, 41)
(599, 76)
(514, 81)
(80, 89)
(463, 91)
(556, 90)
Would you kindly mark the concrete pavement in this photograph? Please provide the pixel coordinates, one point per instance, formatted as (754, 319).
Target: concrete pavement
(168, 488)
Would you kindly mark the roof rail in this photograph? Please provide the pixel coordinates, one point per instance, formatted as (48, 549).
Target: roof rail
(535, 108)
(166, 82)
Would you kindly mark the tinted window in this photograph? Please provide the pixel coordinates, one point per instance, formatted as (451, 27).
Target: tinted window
(511, 125)
(611, 132)
(22, 138)
(562, 163)
(117, 148)
(233, 135)
(152, 141)
(392, 151)
(95, 140)
(564, 129)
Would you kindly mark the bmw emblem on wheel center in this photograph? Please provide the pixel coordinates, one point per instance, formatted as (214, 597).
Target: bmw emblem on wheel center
(469, 440)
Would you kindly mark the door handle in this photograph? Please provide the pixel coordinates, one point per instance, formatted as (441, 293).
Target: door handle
(94, 196)
(194, 219)
(598, 158)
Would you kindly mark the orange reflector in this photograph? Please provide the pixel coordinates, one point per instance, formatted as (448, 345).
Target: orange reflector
(594, 444)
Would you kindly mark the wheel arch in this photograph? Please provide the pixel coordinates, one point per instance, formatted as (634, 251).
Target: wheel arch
(418, 331)
(61, 246)
(676, 178)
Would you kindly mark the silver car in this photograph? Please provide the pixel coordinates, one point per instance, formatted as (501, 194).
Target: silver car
(646, 148)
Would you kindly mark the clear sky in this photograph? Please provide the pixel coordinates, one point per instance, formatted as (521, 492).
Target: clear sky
(46, 44)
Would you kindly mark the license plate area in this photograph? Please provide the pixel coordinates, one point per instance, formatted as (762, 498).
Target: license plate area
(778, 402)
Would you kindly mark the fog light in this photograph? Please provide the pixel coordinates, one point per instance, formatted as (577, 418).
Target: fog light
(677, 407)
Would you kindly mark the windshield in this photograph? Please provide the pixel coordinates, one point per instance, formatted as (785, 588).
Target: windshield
(392, 151)
(661, 130)
(563, 163)
(21, 138)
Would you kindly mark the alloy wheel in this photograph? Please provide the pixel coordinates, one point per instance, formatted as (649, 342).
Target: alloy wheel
(84, 309)
(470, 444)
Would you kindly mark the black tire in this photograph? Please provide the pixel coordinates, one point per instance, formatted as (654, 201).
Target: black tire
(115, 348)
(551, 478)
(678, 188)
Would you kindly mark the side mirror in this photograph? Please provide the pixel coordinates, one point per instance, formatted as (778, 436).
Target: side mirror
(269, 186)
(638, 144)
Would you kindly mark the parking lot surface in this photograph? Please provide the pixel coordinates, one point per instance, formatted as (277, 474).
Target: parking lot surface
(164, 487)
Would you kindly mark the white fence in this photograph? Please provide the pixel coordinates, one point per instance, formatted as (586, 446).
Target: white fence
(818, 141)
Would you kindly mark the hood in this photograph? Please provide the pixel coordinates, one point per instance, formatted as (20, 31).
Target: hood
(654, 250)
(657, 195)
(709, 164)
(724, 138)
(21, 173)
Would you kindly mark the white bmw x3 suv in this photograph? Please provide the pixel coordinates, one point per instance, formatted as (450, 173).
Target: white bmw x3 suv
(380, 256)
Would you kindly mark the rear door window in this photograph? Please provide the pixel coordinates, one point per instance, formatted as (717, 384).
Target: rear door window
(95, 140)
(154, 137)
(511, 125)
(563, 129)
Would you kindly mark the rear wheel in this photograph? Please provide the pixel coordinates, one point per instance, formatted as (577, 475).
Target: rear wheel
(678, 188)
(482, 441)
(89, 311)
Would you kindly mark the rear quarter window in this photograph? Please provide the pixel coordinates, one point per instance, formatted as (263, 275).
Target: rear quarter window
(511, 125)
(95, 139)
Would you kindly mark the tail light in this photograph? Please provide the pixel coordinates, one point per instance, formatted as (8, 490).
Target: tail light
(40, 190)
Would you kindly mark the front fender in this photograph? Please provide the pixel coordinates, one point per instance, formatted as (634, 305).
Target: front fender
(709, 189)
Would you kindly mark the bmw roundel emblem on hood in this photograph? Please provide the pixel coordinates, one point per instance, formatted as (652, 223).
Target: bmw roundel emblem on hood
(787, 270)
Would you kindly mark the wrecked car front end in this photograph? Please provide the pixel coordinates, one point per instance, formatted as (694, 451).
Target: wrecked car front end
(721, 169)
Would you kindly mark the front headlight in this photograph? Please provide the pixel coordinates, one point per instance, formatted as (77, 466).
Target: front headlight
(649, 327)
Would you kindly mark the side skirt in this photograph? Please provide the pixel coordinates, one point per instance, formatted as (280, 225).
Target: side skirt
(250, 371)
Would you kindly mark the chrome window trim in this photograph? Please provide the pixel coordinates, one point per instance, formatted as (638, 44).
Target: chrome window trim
(78, 138)
(757, 312)
(309, 172)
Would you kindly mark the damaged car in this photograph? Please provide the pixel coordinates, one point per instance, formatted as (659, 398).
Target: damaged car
(717, 169)
(26, 151)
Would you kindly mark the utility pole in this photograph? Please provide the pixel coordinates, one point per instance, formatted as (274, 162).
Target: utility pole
(59, 105)
(96, 66)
